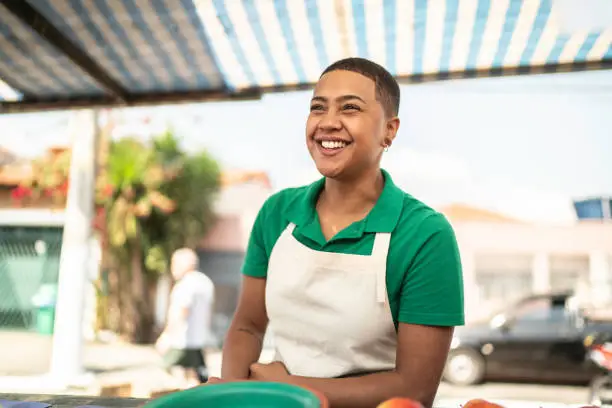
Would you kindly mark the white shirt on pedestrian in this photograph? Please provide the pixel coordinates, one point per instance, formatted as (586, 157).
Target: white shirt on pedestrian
(195, 291)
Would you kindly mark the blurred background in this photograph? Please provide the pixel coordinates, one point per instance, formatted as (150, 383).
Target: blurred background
(130, 128)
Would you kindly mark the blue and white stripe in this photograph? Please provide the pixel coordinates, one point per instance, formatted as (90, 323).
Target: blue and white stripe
(35, 67)
(193, 45)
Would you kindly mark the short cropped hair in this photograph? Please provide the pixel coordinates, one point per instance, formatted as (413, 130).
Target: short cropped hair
(387, 88)
(187, 257)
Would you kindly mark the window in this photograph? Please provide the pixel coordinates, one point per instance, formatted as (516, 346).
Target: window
(535, 310)
(567, 271)
(503, 287)
(541, 311)
(502, 278)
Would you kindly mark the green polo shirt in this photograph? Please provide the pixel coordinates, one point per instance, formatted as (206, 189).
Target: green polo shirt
(424, 279)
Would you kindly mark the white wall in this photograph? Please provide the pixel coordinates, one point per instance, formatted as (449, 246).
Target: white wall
(545, 248)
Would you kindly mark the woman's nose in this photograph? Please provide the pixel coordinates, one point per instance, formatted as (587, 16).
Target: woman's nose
(330, 121)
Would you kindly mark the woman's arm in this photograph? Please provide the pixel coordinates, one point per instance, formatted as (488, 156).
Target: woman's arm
(421, 356)
(244, 339)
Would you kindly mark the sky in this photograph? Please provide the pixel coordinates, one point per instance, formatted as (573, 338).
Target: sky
(523, 146)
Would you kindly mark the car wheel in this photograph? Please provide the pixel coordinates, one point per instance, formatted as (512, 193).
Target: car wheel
(600, 391)
(464, 367)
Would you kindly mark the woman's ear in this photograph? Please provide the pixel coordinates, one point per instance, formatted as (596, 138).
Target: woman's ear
(391, 131)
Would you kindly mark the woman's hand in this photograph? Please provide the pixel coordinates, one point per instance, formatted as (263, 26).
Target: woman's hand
(275, 371)
(215, 380)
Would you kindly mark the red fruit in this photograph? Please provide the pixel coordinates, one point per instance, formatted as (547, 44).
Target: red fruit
(480, 403)
(400, 403)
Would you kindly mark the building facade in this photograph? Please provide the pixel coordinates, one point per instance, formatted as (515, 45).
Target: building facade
(504, 260)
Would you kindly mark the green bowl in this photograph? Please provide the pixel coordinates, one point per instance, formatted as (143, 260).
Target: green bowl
(247, 394)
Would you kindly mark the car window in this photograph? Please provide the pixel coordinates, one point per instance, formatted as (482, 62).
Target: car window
(557, 314)
(532, 310)
(539, 310)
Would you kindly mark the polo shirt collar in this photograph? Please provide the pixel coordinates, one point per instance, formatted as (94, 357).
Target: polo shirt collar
(382, 218)
(386, 213)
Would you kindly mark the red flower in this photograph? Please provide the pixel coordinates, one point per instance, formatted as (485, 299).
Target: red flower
(21, 192)
(63, 188)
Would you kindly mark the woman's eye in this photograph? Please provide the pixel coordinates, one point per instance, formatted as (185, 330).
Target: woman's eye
(351, 107)
(316, 107)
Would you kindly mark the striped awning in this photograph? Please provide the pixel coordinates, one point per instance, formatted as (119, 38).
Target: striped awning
(63, 53)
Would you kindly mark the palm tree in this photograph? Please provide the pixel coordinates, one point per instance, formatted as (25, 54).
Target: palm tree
(161, 200)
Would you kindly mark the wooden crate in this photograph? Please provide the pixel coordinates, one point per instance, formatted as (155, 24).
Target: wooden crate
(116, 390)
(161, 393)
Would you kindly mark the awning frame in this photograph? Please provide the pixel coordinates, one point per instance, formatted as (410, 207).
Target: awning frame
(119, 96)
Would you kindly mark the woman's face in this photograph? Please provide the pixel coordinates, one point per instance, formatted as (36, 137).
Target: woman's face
(347, 128)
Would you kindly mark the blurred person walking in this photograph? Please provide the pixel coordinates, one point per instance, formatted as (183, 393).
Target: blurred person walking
(189, 319)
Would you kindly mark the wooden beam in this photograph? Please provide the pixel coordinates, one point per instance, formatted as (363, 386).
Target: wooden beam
(473, 74)
(508, 71)
(39, 23)
(152, 99)
(30, 105)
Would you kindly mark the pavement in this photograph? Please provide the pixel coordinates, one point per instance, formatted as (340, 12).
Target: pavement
(514, 395)
(24, 353)
(24, 360)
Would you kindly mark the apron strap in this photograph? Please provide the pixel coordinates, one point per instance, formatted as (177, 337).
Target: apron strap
(381, 245)
(379, 252)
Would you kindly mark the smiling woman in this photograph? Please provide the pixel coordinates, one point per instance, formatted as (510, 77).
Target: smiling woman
(353, 111)
(359, 282)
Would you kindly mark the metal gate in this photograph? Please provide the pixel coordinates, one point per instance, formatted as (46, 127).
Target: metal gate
(29, 258)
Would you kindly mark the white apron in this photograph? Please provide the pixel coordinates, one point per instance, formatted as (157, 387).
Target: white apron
(329, 313)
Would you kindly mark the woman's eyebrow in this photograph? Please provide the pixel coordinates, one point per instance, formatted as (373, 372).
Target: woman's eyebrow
(342, 98)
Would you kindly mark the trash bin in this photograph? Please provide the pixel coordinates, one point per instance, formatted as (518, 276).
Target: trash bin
(45, 319)
(242, 394)
(44, 303)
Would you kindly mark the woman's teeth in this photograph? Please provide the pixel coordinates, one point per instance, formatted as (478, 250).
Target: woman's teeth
(335, 144)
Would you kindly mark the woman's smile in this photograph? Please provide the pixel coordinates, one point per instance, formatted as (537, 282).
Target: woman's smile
(329, 146)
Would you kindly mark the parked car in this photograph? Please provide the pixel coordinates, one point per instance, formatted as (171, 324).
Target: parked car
(540, 339)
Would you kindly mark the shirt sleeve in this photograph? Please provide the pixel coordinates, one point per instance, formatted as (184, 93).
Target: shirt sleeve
(256, 259)
(432, 290)
(182, 297)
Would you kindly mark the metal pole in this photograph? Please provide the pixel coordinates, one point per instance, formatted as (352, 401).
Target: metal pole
(67, 350)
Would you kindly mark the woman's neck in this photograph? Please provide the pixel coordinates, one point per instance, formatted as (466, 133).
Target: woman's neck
(353, 196)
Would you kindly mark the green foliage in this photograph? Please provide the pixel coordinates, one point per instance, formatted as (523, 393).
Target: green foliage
(161, 198)
(151, 199)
